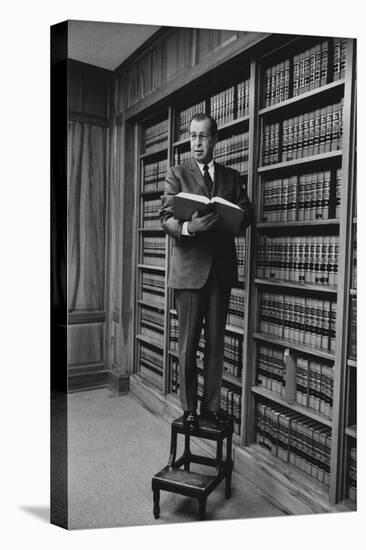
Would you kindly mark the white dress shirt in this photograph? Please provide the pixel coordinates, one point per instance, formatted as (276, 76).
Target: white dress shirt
(211, 171)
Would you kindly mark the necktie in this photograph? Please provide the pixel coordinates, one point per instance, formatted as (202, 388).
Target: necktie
(207, 178)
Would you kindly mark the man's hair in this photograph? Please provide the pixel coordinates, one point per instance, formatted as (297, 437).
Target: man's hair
(203, 116)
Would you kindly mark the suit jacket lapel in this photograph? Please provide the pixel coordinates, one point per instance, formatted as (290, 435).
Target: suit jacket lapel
(195, 171)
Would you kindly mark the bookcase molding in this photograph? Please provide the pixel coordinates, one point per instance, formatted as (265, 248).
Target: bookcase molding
(154, 320)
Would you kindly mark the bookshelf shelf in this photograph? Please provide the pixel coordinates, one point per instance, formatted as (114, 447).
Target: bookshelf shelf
(150, 341)
(162, 153)
(293, 345)
(265, 226)
(273, 396)
(298, 286)
(352, 363)
(233, 123)
(151, 267)
(351, 431)
(149, 324)
(234, 329)
(150, 230)
(152, 193)
(303, 98)
(303, 161)
(154, 305)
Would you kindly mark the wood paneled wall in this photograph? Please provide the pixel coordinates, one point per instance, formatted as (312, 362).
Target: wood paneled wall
(88, 158)
(172, 59)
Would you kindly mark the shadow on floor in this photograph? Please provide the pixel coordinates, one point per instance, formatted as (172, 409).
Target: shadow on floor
(40, 512)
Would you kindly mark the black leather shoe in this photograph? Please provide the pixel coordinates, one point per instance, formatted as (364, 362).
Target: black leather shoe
(216, 418)
(190, 420)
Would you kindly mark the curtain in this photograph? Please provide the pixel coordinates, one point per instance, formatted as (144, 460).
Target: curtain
(86, 216)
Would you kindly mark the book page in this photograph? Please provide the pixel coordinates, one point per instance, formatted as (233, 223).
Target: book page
(193, 197)
(224, 201)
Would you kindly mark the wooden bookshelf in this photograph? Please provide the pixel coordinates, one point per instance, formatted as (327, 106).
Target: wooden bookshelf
(251, 66)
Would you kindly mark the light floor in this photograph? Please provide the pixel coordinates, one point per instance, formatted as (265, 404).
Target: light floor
(115, 447)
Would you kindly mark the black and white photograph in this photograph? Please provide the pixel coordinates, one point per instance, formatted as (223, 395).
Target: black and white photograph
(204, 285)
(181, 257)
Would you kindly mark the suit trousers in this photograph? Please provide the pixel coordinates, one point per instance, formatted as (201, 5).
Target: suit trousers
(209, 304)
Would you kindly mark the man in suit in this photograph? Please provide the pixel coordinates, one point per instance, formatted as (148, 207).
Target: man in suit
(203, 267)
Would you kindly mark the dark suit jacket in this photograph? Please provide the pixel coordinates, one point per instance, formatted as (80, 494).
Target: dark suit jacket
(192, 257)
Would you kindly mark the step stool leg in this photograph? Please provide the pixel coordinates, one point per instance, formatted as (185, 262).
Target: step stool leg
(228, 466)
(156, 503)
(187, 452)
(228, 484)
(202, 508)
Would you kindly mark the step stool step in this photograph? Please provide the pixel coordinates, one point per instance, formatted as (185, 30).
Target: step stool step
(183, 481)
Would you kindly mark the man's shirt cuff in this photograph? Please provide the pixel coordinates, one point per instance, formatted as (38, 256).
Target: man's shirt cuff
(185, 231)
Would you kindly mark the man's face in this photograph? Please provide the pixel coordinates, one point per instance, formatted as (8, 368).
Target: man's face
(202, 141)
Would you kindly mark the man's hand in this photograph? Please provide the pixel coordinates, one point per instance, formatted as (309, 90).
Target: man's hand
(204, 223)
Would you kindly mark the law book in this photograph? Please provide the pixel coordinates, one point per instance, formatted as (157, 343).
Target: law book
(336, 58)
(312, 67)
(231, 215)
(324, 64)
(319, 176)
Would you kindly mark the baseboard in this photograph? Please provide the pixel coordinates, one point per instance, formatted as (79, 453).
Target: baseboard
(281, 484)
(88, 380)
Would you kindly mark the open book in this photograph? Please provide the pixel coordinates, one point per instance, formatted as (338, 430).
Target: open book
(231, 215)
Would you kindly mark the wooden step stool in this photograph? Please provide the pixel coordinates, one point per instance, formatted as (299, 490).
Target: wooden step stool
(192, 484)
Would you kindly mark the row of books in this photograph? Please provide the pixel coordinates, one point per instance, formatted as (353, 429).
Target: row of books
(241, 253)
(181, 156)
(304, 197)
(151, 316)
(151, 365)
(154, 175)
(313, 379)
(352, 350)
(352, 474)
(312, 133)
(222, 106)
(153, 251)
(153, 288)
(233, 152)
(314, 384)
(152, 332)
(225, 106)
(235, 316)
(309, 259)
(276, 86)
(271, 369)
(230, 403)
(152, 324)
(184, 117)
(295, 439)
(312, 68)
(150, 213)
(303, 320)
(155, 137)
(243, 99)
